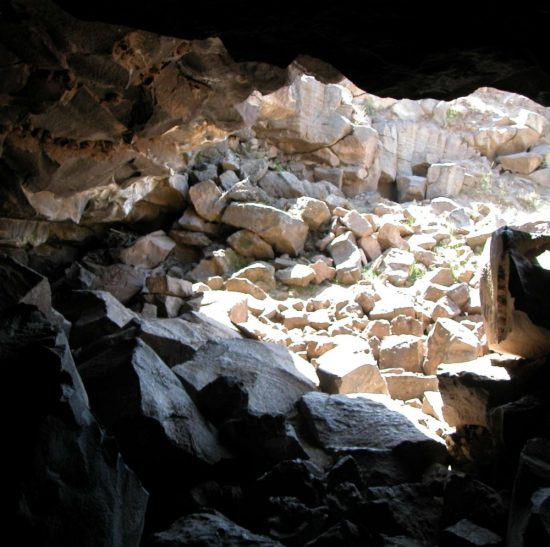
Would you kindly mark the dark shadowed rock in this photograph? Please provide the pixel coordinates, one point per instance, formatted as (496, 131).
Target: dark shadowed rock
(465, 533)
(71, 485)
(273, 377)
(93, 314)
(210, 529)
(370, 421)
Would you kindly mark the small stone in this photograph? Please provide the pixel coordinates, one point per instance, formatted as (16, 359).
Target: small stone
(411, 188)
(228, 179)
(323, 271)
(370, 247)
(378, 328)
(347, 258)
(298, 275)
(404, 324)
(194, 223)
(523, 163)
(357, 223)
(314, 212)
(389, 236)
(243, 285)
(248, 244)
(206, 199)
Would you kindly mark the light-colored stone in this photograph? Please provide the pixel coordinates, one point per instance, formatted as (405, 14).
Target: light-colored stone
(404, 324)
(432, 404)
(392, 306)
(148, 251)
(283, 184)
(194, 223)
(370, 247)
(402, 351)
(409, 385)
(121, 280)
(389, 236)
(323, 271)
(450, 342)
(357, 223)
(294, 319)
(344, 371)
(284, 232)
(260, 273)
(523, 163)
(319, 319)
(206, 199)
(298, 275)
(445, 307)
(248, 244)
(347, 258)
(378, 328)
(243, 285)
(444, 179)
(314, 212)
(193, 239)
(228, 179)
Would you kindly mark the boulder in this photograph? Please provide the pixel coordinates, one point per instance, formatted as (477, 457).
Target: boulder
(371, 247)
(250, 245)
(389, 236)
(228, 179)
(148, 251)
(194, 223)
(273, 377)
(121, 280)
(347, 258)
(411, 188)
(169, 286)
(260, 273)
(405, 385)
(244, 285)
(404, 324)
(402, 351)
(465, 533)
(523, 163)
(287, 234)
(450, 342)
(314, 212)
(208, 528)
(284, 184)
(323, 271)
(298, 275)
(342, 370)
(371, 421)
(206, 199)
(64, 465)
(444, 180)
(357, 223)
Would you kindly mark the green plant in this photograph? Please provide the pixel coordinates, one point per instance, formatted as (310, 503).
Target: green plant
(368, 107)
(451, 115)
(368, 273)
(277, 165)
(486, 182)
(415, 273)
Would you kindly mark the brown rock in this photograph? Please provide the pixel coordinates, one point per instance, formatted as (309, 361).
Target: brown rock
(523, 163)
(409, 385)
(411, 188)
(260, 273)
(450, 342)
(357, 223)
(314, 212)
(206, 199)
(241, 284)
(298, 275)
(404, 324)
(445, 307)
(294, 319)
(193, 239)
(319, 319)
(148, 251)
(170, 286)
(347, 258)
(248, 244)
(370, 247)
(366, 300)
(286, 233)
(323, 271)
(194, 223)
(402, 351)
(378, 328)
(389, 236)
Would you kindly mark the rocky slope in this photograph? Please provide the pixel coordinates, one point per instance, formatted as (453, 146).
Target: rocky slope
(245, 303)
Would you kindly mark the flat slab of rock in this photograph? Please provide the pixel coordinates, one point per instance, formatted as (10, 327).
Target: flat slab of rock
(170, 286)
(403, 351)
(121, 280)
(409, 385)
(371, 421)
(286, 233)
(249, 244)
(273, 377)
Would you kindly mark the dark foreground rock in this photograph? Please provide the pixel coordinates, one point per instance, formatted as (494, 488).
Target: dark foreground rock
(71, 486)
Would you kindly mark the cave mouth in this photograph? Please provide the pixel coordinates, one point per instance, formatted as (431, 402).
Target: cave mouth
(255, 303)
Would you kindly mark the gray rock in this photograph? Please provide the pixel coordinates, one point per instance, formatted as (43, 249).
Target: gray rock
(371, 421)
(121, 280)
(347, 258)
(148, 251)
(63, 463)
(208, 528)
(465, 533)
(273, 377)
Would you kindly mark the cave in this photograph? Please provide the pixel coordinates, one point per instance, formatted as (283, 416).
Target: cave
(275, 275)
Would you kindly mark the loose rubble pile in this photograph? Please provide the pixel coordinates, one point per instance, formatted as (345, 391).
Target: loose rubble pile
(282, 341)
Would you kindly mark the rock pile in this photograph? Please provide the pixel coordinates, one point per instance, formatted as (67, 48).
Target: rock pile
(284, 342)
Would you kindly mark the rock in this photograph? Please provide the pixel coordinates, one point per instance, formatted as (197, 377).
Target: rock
(153, 419)
(341, 370)
(206, 199)
(402, 351)
(243, 285)
(22, 285)
(409, 385)
(444, 180)
(204, 172)
(319, 319)
(523, 163)
(178, 339)
(358, 224)
(208, 528)
(466, 533)
(260, 273)
(404, 324)
(286, 233)
(194, 223)
(450, 342)
(294, 319)
(121, 280)
(148, 251)
(528, 522)
(389, 236)
(469, 390)
(168, 306)
(254, 328)
(323, 271)
(60, 448)
(371, 421)
(361, 147)
(93, 314)
(445, 307)
(422, 241)
(248, 244)
(284, 184)
(440, 276)
(273, 387)
(432, 404)
(411, 188)
(390, 307)
(254, 169)
(170, 286)
(347, 258)
(366, 300)
(542, 176)
(228, 179)
(314, 212)
(371, 247)
(298, 275)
